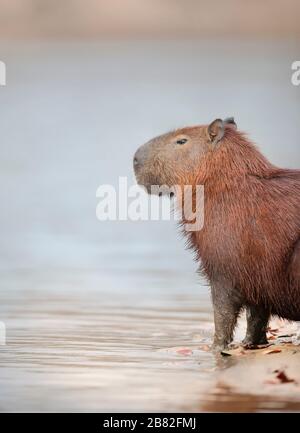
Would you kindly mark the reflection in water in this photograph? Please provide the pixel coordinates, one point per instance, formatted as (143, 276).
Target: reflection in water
(89, 351)
(230, 401)
(112, 316)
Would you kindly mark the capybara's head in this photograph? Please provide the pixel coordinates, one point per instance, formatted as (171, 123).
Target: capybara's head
(176, 157)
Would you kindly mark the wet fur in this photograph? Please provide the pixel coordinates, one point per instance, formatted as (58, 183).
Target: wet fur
(249, 247)
(252, 224)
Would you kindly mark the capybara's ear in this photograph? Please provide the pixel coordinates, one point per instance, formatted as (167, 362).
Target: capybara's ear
(216, 131)
(230, 121)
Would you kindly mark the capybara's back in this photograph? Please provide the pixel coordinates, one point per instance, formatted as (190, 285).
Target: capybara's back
(252, 237)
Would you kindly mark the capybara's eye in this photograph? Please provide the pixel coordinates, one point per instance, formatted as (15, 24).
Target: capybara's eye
(182, 141)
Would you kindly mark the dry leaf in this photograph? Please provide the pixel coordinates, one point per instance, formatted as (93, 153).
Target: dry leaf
(269, 352)
(283, 377)
(184, 351)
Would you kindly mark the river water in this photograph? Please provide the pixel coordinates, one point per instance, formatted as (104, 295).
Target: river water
(112, 316)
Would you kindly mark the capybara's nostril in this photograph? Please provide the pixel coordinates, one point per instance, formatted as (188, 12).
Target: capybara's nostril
(137, 160)
(136, 164)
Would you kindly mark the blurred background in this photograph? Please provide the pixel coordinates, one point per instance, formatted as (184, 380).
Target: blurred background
(93, 309)
(148, 18)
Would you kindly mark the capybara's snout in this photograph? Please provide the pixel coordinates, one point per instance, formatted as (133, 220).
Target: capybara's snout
(138, 160)
(142, 169)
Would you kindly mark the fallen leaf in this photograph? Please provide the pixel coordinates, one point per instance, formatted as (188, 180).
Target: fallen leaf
(269, 352)
(283, 377)
(185, 352)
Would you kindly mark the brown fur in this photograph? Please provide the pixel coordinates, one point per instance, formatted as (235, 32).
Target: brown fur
(250, 239)
(252, 223)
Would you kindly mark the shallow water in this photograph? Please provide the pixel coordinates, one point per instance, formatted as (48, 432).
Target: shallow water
(112, 315)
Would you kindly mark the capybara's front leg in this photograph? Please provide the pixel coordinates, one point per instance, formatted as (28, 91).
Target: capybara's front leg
(257, 322)
(227, 305)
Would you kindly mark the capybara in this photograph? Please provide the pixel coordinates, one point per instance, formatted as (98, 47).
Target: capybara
(249, 245)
